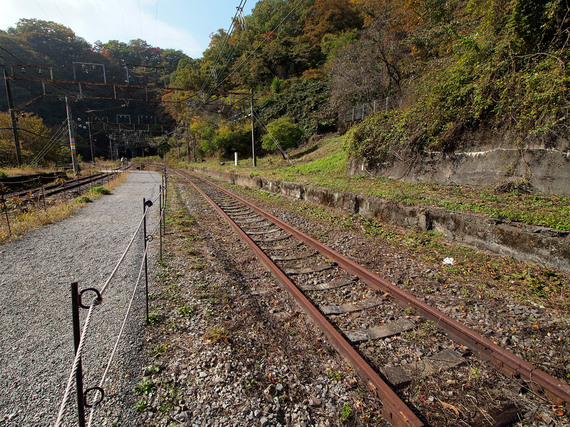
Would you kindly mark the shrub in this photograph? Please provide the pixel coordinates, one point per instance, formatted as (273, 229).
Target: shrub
(83, 199)
(282, 134)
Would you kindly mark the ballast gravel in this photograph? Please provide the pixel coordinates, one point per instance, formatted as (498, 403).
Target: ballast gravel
(36, 346)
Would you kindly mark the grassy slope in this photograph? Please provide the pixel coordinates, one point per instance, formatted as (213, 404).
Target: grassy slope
(324, 164)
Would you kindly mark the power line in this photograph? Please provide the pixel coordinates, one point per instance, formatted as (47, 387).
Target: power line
(41, 8)
(123, 19)
(267, 38)
(225, 40)
(274, 139)
(59, 10)
(60, 132)
(12, 55)
(261, 43)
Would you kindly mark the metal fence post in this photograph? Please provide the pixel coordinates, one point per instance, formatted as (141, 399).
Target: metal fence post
(7, 217)
(161, 207)
(76, 341)
(164, 195)
(146, 204)
(165, 184)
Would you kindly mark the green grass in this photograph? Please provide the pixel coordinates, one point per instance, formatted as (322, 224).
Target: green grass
(345, 412)
(83, 199)
(101, 190)
(146, 386)
(326, 167)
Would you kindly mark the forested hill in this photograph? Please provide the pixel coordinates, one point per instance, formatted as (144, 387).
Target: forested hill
(33, 43)
(431, 69)
(421, 73)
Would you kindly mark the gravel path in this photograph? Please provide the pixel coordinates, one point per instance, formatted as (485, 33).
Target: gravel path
(36, 346)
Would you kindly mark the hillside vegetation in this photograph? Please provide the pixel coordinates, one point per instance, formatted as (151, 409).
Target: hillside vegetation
(396, 78)
(43, 49)
(323, 164)
(432, 70)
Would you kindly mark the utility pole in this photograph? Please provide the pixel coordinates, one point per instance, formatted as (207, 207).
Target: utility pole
(71, 138)
(111, 137)
(252, 129)
(187, 136)
(90, 141)
(13, 120)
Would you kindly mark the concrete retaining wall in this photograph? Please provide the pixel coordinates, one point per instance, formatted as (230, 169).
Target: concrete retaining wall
(484, 159)
(530, 244)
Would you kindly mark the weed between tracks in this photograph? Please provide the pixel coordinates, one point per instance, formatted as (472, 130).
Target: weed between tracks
(482, 274)
(521, 307)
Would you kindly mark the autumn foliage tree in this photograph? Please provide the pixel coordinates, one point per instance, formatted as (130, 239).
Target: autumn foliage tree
(35, 141)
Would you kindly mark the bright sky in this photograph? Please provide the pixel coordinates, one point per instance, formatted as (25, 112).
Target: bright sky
(177, 24)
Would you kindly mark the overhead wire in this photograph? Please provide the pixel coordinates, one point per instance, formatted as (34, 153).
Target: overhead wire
(260, 44)
(12, 55)
(41, 8)
(225, 40)
(60, 12)
(123, 19)
(218, 83)
(140, 21)
(59, 133)
(281, 150)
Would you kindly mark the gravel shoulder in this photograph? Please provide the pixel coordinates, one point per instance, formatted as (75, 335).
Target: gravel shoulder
(36, 349)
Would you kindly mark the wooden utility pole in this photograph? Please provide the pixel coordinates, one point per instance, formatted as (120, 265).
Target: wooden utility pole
(13, 120)
(252, 129)
(187, 146)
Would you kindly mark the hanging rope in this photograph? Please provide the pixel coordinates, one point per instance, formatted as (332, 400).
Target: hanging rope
(75, 365)
(95, 302)
(104, 376)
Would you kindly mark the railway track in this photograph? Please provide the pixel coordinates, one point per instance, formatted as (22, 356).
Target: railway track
(31, 196)
(371, 322)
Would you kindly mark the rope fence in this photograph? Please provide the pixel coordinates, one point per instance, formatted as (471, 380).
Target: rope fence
(81, 333)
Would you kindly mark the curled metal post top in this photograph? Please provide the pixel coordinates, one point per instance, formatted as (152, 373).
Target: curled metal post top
(98, 298)
(95, 402)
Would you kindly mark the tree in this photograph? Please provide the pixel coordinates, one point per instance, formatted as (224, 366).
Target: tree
(282, 134)
(35, 141)
(233, 136)
(331, 17)
(203, 129)
(162, 145)
(55, 42)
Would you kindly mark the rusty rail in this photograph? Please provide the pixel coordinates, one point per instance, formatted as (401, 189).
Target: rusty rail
(58, 188)
(504, 360)
(394, 409)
